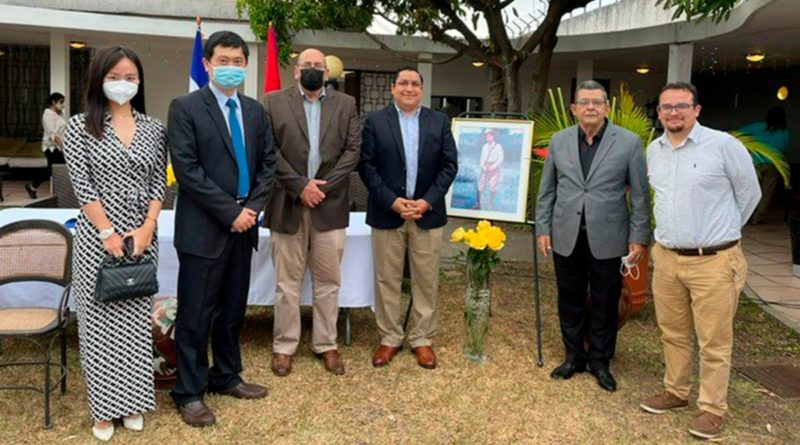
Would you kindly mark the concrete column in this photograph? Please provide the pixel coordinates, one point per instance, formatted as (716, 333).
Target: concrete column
(59, 67)
(255, 68)
(585, 70)
(426, 70)
(680, 62)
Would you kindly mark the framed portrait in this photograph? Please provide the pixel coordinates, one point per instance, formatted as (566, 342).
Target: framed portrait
(494, 160)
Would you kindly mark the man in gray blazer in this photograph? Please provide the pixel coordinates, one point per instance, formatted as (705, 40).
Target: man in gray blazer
(583, 217)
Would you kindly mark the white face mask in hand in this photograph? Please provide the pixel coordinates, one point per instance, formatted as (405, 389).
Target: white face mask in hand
(629, 269)
(120, 91)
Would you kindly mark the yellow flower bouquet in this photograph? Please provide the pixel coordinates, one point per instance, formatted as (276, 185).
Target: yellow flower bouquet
(171, 197)
(483, 245)
(171, 176)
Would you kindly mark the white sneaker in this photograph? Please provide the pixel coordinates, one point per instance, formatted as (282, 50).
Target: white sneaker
(133, 423)
(103, 434)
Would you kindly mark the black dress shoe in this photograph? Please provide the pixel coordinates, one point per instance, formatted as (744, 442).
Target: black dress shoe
(605, 379)
(567, 369)
(31, 190)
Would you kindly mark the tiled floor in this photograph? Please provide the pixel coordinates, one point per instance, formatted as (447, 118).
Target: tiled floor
(14, 194)
(768, 251)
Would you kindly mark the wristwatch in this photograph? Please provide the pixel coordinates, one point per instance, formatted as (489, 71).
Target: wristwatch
(106, 233)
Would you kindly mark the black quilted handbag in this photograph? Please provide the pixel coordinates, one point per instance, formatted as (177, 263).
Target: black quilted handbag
(124, 279)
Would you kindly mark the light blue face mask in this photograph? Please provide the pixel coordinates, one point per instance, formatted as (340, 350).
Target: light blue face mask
(229, 76)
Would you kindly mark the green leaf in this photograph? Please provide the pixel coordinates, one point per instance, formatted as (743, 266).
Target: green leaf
(777, 159)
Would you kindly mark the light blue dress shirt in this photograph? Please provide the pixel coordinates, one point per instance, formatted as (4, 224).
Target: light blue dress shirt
(313, 111)
(409, 127)
(222, 101)
(705, 189)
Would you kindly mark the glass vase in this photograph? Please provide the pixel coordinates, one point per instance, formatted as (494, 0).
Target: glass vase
(476, 315)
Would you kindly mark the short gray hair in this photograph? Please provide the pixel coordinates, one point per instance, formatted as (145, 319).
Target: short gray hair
(590, 85)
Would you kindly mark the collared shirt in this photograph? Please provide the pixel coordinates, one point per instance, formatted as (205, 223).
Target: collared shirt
(222, 101)
(409, 127)
(705, 189)
(586, 150)
(313, 111)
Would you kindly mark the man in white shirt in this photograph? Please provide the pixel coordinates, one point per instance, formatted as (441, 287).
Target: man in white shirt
(705, 190)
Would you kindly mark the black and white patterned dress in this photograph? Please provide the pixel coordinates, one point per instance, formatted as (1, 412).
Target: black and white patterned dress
(115, 338)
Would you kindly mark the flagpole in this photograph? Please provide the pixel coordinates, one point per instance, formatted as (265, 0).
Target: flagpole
(197, 74)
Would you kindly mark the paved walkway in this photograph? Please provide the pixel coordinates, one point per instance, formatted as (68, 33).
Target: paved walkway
(14, 194)
(769, 257)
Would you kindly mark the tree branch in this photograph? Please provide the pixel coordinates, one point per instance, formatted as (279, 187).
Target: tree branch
(497, 32)
(555, 11)
(458, 25)
(503, 5)
(386, 17)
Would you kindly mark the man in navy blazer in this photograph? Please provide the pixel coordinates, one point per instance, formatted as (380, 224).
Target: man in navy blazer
(224, 160)
(408, 161)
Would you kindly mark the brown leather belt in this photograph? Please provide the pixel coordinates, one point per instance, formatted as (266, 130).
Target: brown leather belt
(703, 251)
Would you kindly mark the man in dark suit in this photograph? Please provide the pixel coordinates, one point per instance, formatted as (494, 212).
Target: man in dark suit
(223, 156)
(583, 218)
(318, 139)
(408, 161)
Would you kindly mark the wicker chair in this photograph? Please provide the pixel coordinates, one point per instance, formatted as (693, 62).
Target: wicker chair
(37, 250)
(62, 188)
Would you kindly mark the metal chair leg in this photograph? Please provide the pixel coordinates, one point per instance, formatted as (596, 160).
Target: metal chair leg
(47, 422)
(63, 335)
(348, 339)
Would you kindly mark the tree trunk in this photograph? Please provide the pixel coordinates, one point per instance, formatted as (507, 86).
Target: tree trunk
(511, 80)
(497, 89)
(541, 73)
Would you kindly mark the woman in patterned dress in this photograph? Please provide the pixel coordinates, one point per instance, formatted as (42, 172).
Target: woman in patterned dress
(116, 157)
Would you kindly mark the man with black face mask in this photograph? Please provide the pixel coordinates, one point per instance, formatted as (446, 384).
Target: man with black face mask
(318, 139)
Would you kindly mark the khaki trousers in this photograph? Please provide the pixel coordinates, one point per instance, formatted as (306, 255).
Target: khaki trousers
(698, 295)
(323, 251)
(389, 248)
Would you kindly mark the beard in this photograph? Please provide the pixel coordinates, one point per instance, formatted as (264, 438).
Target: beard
(676, 127)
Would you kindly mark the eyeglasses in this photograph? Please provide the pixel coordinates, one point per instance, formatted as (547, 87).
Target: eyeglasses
(669, 108)
(316, 66)
(595, 102)
(405, 83)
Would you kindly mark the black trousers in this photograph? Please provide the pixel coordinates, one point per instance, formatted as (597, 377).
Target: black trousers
(53, 157)
(212, 299)
(573, 274)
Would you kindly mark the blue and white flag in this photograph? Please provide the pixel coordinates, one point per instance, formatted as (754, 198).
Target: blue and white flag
(198, 78)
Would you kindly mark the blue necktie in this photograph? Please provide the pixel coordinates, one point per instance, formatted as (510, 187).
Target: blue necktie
(238, 149)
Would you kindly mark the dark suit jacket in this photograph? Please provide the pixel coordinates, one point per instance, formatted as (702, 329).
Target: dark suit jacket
(205, 167)
(383, 166)
(339, 146)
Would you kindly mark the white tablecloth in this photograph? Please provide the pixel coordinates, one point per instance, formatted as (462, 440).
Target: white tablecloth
(357, 269)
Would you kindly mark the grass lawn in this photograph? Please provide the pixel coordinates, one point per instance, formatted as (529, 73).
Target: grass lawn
(506, 400)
